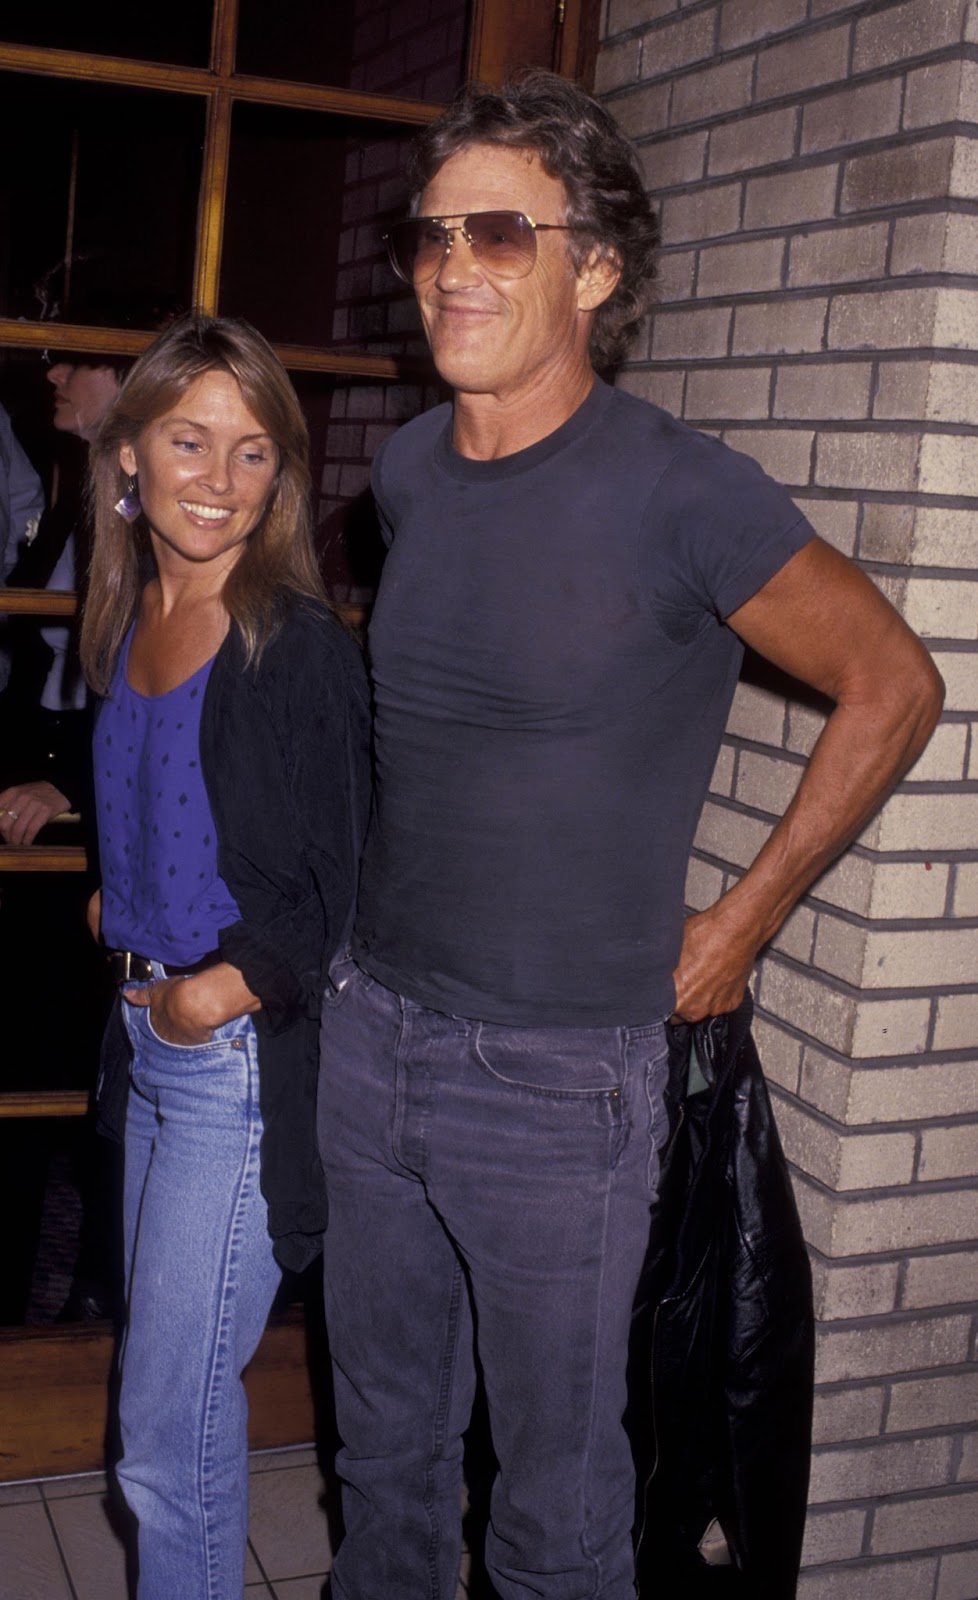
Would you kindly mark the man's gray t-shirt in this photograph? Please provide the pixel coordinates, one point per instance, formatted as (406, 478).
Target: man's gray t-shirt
(552, 676)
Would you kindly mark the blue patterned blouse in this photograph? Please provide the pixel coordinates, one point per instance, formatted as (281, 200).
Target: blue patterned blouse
(162, 895)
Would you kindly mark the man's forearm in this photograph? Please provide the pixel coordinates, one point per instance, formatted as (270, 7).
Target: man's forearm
(854, 766)
(888, 698)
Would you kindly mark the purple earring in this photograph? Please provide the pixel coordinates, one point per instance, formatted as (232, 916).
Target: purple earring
(129, 506)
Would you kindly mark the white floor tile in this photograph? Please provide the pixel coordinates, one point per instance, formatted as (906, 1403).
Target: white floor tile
(92, 1548)
(32, 1567)
(288, 1524)
(84, 1483)
(252, 1569)
(300, 1589)
(20, 1493)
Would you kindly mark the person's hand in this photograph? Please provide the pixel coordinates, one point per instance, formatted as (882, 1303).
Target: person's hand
(93, 915)
(715, 965)
(187, 1010)
(26, 807)
(175, 1010)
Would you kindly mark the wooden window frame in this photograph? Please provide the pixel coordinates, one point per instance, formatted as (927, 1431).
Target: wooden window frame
(53, 1372)
(501, 33)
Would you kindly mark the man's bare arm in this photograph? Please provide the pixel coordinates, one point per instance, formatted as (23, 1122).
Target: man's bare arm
(821, 620)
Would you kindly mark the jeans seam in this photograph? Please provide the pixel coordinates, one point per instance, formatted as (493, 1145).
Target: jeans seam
(599, 1302)
(657, 1113)
(440, 1422)
(220, 1359)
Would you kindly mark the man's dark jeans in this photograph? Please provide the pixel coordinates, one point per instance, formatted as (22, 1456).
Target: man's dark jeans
(497, 1180)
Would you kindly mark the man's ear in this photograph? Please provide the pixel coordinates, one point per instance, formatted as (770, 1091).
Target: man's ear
(598, 278)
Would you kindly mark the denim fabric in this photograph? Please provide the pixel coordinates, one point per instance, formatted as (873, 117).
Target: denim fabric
(496, 1177)
(201, 1279)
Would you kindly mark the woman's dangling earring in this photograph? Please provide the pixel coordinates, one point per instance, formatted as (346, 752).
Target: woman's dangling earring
(129, 506)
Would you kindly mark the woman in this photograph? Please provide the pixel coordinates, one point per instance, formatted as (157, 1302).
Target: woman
(231, 778)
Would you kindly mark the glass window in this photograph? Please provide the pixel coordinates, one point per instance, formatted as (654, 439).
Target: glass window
(107, 177)
(179, 32)
(308, 198)
(414, 49)
(348, 421)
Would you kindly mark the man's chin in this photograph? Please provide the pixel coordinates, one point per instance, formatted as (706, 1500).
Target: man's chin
(465, 372)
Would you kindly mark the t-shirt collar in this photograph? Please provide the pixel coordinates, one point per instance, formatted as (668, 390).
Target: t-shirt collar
(470, 471)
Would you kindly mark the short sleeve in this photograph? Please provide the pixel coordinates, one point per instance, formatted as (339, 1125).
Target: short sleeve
(716, 529)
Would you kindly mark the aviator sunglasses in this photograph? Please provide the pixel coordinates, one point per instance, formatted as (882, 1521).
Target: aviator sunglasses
(504, 242)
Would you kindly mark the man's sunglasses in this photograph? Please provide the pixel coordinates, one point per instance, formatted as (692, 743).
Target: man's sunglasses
(504, 242)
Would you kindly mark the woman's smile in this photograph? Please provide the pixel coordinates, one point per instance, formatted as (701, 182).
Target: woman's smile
(206, 469)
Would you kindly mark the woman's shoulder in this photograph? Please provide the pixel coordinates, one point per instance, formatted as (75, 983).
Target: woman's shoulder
(310, 645)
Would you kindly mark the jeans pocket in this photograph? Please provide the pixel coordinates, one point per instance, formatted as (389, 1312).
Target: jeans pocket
(171, 1044)
(139, 1018)
(560, 1063)
(648, 1054)
(343, 977)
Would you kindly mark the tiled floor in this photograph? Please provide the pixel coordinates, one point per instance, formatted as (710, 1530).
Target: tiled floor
(59, 1539)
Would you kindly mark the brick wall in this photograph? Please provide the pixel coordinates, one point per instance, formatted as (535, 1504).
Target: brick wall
(817, 167)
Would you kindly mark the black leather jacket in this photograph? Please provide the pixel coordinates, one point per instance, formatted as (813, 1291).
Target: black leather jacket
(726, 1310)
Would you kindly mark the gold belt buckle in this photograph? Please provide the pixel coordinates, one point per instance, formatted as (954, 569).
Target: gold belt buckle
(127, 967)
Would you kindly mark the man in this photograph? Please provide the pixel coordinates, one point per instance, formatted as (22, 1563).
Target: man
(45, 771)
(48, 732)
(21, 499)
(571, 580)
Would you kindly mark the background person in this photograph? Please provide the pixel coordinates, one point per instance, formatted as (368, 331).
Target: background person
(46, 772)
(571, 579)
(46, 765)
(231, 762)
(21, 504)
(46, 758)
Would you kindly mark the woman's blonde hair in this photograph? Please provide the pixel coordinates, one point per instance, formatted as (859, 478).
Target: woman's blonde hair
(278, 556)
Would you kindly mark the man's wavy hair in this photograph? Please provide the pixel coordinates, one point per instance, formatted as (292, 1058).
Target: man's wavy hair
(579, 143)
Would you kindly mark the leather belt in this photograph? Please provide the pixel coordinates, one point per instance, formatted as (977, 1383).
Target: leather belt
(127, 967)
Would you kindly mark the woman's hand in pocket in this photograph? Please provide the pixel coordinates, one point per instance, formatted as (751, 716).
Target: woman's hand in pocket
(174, 1010)
(186, 1010)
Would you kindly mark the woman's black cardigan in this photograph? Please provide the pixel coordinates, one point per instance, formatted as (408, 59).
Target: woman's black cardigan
(285, 758)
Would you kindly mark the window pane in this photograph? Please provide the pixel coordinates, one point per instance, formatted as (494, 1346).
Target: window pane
(308, 199)
(113, 174)
(179, 32)
(348, 421)
(411, 48)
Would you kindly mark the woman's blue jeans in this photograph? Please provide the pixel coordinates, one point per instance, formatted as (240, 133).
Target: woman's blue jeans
(489, 1190)
(201, 1279)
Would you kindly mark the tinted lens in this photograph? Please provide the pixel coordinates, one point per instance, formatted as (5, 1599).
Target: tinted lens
(504, 242)
(417, 248)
